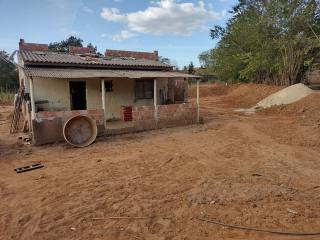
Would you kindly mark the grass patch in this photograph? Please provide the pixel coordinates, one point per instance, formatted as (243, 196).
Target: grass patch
(6, 97)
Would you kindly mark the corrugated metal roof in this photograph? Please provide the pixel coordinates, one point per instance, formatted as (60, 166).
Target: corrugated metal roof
(101, 73)
(53, 58)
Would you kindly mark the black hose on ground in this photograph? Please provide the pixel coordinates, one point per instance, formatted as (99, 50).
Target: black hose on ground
(257, 229)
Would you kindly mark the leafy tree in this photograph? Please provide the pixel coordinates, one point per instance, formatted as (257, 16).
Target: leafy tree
(64, 45)
(185, 69)
(168, 61)
(8, 73)
(270, 42)
(191, 68)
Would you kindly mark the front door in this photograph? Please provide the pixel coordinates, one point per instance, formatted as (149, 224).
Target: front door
(78, 95)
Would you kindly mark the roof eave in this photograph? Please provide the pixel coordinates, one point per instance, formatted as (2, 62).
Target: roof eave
(90, 66)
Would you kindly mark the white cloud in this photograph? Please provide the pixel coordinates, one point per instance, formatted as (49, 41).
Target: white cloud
(165, 17)
(123, 35)
(112, 15)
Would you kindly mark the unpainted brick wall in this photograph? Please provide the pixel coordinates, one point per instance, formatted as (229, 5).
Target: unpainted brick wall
(139, 55)
(48, 126)
(32, 46)
(168, 116)
(80, 50)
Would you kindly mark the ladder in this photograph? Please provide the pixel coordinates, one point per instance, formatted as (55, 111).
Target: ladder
(14, 127)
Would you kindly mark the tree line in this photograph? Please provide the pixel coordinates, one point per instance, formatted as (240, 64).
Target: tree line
(271, 42)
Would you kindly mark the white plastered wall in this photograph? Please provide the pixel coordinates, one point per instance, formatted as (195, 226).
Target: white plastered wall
(56, 92)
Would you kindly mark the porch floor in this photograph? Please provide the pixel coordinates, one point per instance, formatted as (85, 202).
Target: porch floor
(119, 127)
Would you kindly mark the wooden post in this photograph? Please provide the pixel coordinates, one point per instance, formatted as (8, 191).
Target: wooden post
(198, 101)
(33, 105)
(155, 99)
(103, 95)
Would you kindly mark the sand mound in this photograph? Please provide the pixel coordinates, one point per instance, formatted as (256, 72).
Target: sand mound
(307, 108)
(286, 96)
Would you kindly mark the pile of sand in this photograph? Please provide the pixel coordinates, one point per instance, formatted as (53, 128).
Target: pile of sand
(285, 96)
(308, 109)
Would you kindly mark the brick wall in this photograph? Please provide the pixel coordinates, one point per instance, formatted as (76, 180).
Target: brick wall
(139, 55)
(32, 46)
(80, 50)
(48, 126)
(168, 116)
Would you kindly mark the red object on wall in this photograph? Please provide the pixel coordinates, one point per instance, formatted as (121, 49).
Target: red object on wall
(127, 113)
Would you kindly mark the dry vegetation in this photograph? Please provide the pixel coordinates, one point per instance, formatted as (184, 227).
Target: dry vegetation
(6, 98)
(260, 171)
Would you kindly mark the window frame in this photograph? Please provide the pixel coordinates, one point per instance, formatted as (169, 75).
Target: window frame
(144, 94)
(107, 84)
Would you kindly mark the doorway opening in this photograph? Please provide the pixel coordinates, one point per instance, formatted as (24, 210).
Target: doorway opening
(78, 95)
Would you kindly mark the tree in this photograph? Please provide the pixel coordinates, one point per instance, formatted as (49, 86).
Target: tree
(267, 41)
(8, 73)
(205, 58)
(64, 45)
(164, 60)
(191, 68)
(185, 69)
(168, 61)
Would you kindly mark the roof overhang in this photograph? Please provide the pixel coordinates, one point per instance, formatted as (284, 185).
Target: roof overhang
(102, 73)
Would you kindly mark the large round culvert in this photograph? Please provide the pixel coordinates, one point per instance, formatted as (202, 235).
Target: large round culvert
(80, 131)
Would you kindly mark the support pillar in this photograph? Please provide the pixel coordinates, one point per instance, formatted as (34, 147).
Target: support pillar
(103, 94)
(33, 105)
(155, 99)
(198, 101)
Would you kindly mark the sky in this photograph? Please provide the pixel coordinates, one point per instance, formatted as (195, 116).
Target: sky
(178, 29)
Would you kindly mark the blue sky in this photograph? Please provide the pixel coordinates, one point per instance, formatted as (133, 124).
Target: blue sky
(178, 29)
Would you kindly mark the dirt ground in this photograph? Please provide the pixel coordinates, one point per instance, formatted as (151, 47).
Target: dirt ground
(260, 170)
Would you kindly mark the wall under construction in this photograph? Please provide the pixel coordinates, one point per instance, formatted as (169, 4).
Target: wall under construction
(48, 126)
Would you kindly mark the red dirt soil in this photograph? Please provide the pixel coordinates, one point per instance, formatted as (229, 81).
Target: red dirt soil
(260, 170)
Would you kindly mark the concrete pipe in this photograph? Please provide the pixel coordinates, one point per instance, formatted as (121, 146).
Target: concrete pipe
(80, 131)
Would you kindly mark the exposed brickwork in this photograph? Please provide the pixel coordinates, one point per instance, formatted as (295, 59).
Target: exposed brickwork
(48, 126)
(80, 50)
(32, 46)
(138, 55)
(96, 114)
(168, 116)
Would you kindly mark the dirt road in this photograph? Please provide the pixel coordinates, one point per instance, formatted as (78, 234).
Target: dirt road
(261, 170)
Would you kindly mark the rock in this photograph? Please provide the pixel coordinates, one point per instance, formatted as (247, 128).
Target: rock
(292, 211)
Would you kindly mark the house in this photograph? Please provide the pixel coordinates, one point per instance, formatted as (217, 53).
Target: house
(123, 91)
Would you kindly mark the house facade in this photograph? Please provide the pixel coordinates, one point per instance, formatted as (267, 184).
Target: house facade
(123, 91)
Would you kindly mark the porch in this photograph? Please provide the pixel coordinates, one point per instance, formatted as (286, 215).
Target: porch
(151, 97)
